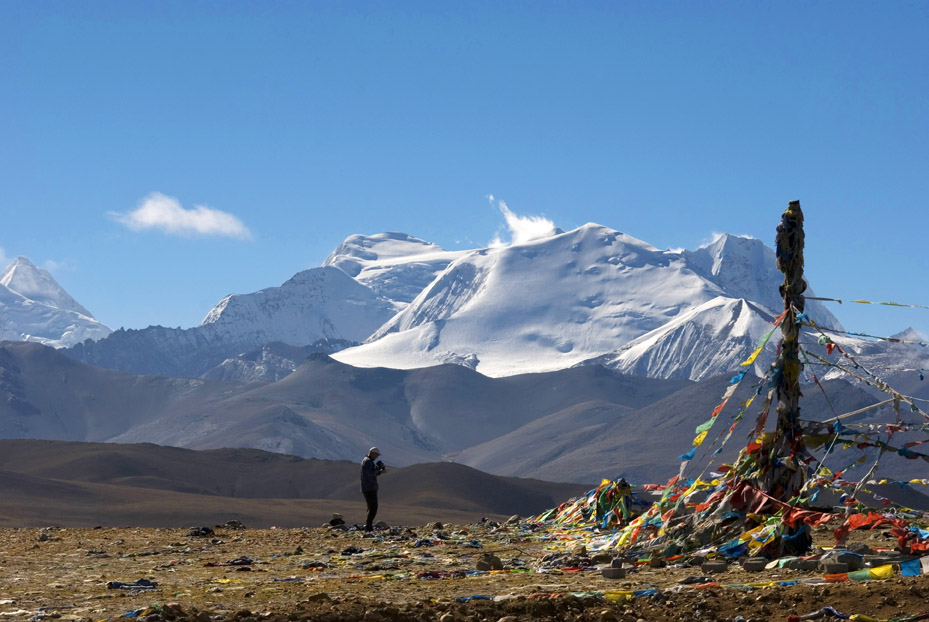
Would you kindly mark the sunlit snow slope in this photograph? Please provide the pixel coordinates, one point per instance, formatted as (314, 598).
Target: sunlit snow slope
(34, 307)
(562, 300)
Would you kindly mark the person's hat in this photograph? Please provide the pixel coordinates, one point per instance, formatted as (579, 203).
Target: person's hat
(374, 450)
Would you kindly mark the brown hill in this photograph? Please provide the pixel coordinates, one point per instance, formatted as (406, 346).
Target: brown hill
(86, 484)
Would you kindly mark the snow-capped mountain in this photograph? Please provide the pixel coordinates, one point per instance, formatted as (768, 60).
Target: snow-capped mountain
(320, 303)
(395, 265)
(592, 294)
(705, 341)
(902, 359)
(320, 307)
(34, 307)
(744, 268)
(558, 301)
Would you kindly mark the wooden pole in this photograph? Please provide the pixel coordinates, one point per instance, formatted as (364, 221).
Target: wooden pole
(786, 475)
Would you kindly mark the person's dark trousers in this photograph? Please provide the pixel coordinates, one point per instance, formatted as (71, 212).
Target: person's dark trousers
(371, 500)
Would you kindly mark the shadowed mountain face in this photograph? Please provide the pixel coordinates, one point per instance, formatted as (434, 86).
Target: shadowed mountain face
(324, 409)
(116, 484)
(574, 425)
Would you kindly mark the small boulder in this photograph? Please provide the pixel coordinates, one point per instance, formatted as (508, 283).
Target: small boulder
(489, 561)
(200, 532)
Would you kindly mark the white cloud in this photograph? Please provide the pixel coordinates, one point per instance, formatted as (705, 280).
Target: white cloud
(160, 212)
(4, 260)
(522, 228)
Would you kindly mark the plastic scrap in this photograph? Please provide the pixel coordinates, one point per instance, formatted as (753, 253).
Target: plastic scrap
(140, 585)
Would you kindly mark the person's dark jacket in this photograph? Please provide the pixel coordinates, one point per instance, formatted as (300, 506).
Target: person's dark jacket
(369, 472)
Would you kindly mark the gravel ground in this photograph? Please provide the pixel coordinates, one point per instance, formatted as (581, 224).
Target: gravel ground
(406, 573)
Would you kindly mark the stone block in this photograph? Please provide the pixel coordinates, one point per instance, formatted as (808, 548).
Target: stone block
(714, 566)
(754, 564)
(799, 563)
(833, 567)
(853, 561)
(613, 573)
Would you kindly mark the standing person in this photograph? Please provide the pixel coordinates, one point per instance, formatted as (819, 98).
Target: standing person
(371, 467)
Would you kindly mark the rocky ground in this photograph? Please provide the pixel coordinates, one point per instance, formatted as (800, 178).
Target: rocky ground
(418, 573)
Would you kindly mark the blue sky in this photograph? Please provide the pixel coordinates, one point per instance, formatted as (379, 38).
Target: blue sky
(266, 133)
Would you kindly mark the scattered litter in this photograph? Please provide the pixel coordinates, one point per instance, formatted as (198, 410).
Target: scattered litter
(141, 585)
(200, 532)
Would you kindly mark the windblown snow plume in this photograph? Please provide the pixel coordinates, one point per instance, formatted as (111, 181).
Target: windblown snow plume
(522, 228)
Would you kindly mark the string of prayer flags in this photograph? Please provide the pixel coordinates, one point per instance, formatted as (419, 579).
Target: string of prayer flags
(764, 341)
(826, 342)
(703, 429)
(867, 302)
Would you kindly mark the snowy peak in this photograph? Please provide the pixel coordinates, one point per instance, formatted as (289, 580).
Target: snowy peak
(320, 303)
(713, 338)
(359, 251)
(24, 278)
(396, 266)
(33, 307)
(744, 267)
(910, 334)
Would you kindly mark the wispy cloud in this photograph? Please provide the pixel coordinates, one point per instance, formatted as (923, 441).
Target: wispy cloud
(59, 266)
(522, 228)
(163, 213)
(4, 260)
(714, 237)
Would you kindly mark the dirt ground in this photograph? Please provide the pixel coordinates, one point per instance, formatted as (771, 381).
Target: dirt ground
(420, 573)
